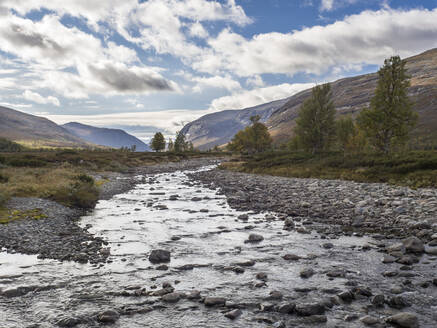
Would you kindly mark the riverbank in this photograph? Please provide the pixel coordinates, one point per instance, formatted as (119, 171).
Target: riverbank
(344, 206)
(50, 229)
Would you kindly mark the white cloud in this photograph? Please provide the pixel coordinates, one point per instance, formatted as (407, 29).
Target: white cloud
(197, 30)
(37, 98)
(220, 82)
(255, 81)
(327, 4)
(258, 96)
(365, 38)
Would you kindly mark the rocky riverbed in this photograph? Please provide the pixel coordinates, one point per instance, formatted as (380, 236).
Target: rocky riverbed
(212, 248)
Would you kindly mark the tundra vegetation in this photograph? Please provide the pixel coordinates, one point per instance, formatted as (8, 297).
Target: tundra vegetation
(372, 147)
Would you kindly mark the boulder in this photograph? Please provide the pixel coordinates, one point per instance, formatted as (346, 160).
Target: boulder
(404, 319)
(159, 256)
(413, 245)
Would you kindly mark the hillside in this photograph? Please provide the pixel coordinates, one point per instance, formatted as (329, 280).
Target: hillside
(35, 131)
(114, 138)
(219, 128)
(350, 95)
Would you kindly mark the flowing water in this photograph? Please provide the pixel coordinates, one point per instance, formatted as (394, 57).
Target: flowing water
(199, 229)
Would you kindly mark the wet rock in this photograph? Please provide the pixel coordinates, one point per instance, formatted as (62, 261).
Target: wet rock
(337, 273)
(68, 322)
(369, 320)
(159, 256)
(279, 324)
(108, 316)
(172, 297)
(193, 295)
(413, 245)
(398, 247)
(291, 257)
(431, 251)
(234, 314)
(404, 319)
(307, 273)
(286, 308)
(328, 245)
(162, 267)
(378, 300)
(320, 318)
(388, 259)
(275, 295)
(398, 302)
(347, 296)
(254, 238)
(266, 307)
(247, 263)
(308, 309)
(214, 301)
(288, 224)
(163, 291)
(261, 276)
(243, 217)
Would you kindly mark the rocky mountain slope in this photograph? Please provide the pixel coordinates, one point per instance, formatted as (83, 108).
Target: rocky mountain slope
(219, 128)
(114, 138)
(35, 131)
(350, 95)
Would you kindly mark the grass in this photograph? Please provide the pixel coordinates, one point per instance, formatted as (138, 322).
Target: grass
(413, 169)
(62, 175)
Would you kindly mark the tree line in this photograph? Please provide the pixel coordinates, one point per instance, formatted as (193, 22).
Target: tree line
(180, 144)
(384, 126)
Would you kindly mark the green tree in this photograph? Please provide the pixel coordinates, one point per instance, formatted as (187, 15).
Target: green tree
(180, 144)
(158, 142)
(315, 125)
(170, 145)
(345, 130)
(390, 118)
(252, 139)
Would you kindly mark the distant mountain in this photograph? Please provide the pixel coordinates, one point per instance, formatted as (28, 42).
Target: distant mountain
(35, 131)
(352, 94)
(114, 138)
(219, 128)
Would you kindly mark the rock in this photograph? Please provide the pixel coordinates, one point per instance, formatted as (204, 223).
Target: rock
(308, 309)
(275, 295)
(172, 297)
(378, 300)
(159, 256)
(388, 259)
(196, 199)
(286, 308)
(398, 302)
(108, 316)
(328, 245)
(316, 319)
(404, 319)
(234, 314)
(291, 257)
(288, 224)
(347, 296)
(261, 276)
(398, 247)
(279, 324)
(243, 217)
(254, 238)
(247, 263)
(68, 322)
(307, 273)
(193, 295)
(369, 320)
(413, 245)
(162, 267)
(431, 250)
(214, 301)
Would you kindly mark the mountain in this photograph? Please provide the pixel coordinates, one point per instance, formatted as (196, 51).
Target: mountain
(35, 131)
(114, 138)
(219, 128)
(350, 95)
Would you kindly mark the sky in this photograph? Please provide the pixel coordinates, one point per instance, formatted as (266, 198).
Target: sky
(155, 65)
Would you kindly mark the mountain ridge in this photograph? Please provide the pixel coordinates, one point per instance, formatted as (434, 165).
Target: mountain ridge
(115, 138)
